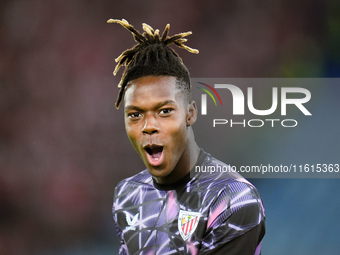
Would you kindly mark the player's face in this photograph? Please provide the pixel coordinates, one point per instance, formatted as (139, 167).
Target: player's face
(157, 118)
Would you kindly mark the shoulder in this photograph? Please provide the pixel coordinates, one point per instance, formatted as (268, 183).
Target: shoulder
(234, 204)
(143, 178)
(213, 173)
(225, 189)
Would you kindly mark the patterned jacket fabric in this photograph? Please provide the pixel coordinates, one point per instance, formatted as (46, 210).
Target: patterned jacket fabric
(204, 213)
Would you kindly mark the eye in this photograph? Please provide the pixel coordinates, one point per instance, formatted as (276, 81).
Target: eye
(166, 111)
(134, 115)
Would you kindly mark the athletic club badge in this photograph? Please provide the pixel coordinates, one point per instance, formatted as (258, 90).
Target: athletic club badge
(187, 223)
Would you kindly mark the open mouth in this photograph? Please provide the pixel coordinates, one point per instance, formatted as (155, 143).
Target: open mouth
(154, 154)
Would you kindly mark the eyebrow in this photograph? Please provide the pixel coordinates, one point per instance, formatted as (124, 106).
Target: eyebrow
(158, 105)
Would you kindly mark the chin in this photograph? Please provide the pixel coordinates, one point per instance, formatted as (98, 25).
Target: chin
(158, 173)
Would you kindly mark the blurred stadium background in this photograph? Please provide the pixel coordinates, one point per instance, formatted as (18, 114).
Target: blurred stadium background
(62, 143)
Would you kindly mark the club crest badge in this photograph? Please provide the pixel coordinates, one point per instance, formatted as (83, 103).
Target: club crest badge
(187, 223)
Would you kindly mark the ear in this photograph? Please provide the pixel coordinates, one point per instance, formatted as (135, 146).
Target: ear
(192, 113)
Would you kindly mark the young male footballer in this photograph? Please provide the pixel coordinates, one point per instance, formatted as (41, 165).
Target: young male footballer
(169, 208)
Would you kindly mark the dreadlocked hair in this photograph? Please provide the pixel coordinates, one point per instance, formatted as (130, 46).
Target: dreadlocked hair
(152, 56)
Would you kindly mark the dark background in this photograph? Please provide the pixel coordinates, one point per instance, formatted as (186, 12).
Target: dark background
(63, 146)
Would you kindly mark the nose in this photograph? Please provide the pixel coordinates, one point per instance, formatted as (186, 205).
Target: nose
(150, 125)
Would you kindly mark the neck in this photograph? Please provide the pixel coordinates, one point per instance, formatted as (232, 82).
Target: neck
(194, 151)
